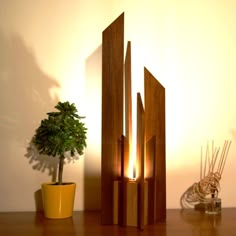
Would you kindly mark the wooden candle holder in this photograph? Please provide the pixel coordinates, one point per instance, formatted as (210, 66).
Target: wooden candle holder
(125, 202)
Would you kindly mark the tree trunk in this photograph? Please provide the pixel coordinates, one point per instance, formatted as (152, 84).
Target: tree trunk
(60, 171)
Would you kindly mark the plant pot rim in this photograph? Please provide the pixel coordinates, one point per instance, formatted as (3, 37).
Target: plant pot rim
(55, 183)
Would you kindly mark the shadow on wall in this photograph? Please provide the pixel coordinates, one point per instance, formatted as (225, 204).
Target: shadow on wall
(25, 100)
(92, 166)
(42, 162)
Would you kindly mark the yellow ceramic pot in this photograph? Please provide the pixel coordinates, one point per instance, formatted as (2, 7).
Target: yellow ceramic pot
(58, 200)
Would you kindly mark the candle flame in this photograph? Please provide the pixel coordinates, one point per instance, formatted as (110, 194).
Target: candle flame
(132, 163)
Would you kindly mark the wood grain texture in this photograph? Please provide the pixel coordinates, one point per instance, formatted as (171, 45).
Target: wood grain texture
(140, 160)
(131, 203)
(116, 201)
(112, 111)
(128, 96)
(150, 178)
(124, 179)
(124, 157)
(178, 223)
(155, 126)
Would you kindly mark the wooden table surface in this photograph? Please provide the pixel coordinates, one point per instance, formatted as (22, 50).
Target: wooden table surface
(178, 223)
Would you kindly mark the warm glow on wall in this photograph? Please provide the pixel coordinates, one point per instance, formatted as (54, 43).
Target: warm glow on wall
(192, 54)
(193, 51)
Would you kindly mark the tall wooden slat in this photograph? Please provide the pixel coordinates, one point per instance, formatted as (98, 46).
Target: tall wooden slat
(112, 111)
(123, 190)
(140, 160)
(124, 157)
(149, 176)
(128, 96)
(127, 139)
(155, 126)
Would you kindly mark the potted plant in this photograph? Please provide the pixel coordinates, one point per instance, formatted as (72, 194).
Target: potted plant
(61, 133)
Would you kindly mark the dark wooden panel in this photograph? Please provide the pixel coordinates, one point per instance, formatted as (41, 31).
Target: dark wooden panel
(124, 167)
(128, 96)
(124, 157)
(150, 178)
(140, 160)
(155, 126)
(112, 111)
(150, 157)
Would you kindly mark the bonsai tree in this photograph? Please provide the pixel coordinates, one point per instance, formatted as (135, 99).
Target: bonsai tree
(60, 133)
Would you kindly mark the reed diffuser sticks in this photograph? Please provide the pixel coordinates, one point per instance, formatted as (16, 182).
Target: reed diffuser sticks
(211, 170)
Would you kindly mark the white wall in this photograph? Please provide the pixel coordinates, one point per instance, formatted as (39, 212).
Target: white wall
(47, 48)
(51, 50)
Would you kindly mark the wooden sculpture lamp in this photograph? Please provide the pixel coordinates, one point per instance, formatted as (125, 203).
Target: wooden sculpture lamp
(142, 199)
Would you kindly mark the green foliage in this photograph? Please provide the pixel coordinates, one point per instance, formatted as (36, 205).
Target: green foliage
(61, 132)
